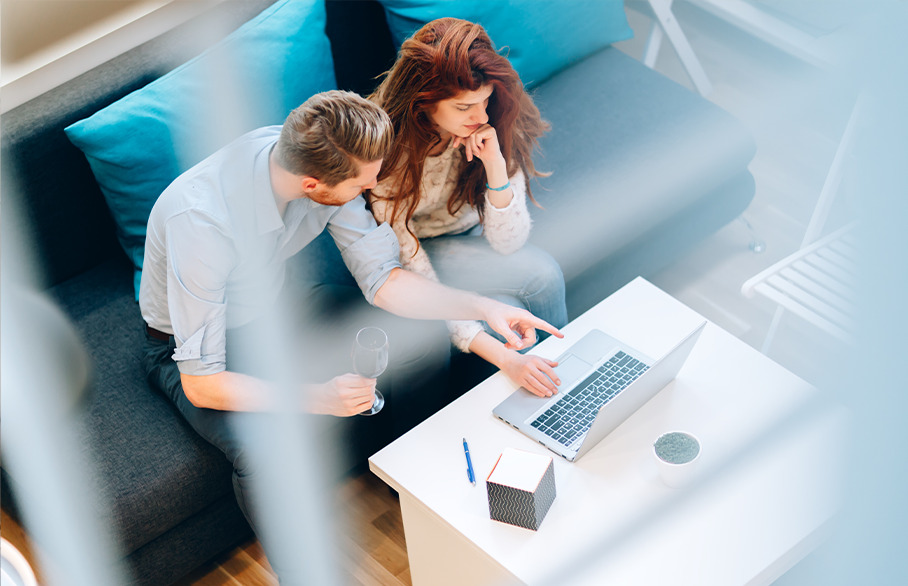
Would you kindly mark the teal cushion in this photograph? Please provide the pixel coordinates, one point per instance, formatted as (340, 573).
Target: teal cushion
(253, 77)
(540, 37)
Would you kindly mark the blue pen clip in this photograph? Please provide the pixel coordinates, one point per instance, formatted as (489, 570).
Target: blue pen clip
(470, 475)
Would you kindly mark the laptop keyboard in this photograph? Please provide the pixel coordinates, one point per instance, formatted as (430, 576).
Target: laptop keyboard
(571, 417)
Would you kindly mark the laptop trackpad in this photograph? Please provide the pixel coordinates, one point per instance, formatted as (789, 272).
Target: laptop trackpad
(570, 369)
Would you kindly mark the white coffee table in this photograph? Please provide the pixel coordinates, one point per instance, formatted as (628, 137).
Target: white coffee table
(767, 486)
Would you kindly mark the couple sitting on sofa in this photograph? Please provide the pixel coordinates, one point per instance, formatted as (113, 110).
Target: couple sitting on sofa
(443, 152)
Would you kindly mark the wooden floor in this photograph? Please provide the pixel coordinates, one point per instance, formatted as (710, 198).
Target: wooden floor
(372, 550)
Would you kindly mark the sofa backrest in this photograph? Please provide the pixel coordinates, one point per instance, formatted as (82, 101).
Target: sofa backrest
(47, 181)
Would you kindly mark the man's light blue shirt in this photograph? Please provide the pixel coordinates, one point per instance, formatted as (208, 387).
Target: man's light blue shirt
(216, 249)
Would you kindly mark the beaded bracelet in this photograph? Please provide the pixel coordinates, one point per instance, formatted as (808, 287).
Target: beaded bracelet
(502, 188)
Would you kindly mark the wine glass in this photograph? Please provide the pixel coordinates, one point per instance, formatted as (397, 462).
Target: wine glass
(370, 359)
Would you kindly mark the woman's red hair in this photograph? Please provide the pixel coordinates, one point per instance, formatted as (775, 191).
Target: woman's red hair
(442, 59)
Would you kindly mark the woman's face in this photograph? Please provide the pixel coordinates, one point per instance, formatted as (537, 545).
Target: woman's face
(461, 114)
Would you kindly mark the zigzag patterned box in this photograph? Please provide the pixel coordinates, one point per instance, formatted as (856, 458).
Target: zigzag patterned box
(521, 488)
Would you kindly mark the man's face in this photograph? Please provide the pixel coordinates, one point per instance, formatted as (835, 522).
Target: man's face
(347, 189)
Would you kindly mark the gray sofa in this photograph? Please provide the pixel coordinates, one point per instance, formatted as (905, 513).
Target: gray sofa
(642, 169)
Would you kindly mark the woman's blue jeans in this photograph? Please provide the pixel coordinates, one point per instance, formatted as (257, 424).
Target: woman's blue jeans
(529, 278)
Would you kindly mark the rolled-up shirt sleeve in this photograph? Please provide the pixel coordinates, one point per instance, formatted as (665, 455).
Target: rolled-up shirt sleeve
(370, 251)
(200, 257)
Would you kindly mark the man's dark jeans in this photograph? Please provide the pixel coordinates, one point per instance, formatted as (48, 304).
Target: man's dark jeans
(327, 318)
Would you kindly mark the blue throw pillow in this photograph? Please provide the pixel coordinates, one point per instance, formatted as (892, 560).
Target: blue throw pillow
(540, 37)
(253, 77)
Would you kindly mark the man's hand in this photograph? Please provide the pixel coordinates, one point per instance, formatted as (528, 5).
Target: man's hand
(408, 294)
(534, 373)
(518, 326)
(342, 396)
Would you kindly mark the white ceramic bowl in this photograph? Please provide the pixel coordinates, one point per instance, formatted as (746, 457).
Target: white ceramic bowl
(677, 454)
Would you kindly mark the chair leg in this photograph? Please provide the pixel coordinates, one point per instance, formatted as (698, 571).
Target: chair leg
(771, 332)
(662, 9)
(653, 44)
(757, 244)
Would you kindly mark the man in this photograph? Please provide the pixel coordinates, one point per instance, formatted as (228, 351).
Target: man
(217, 244)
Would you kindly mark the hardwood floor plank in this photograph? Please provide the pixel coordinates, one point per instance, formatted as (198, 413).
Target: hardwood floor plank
(255, 550)
(248, 571)
(365, 497)
(372, 546)
(365, 569)
(215, 577)
(391, 524)
(382, 551)
(373, 531)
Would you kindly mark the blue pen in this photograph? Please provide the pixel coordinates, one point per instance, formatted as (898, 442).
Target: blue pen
(466, 451)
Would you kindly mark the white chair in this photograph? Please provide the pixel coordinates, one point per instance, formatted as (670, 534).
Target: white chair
(816, 282)
(665, 25)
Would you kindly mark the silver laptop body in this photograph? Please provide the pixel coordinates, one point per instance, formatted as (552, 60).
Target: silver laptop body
(595, 359)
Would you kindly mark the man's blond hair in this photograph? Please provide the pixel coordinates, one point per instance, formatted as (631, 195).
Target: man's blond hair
(331, 134)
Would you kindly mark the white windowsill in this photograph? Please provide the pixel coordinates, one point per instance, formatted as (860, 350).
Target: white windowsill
(78, 53)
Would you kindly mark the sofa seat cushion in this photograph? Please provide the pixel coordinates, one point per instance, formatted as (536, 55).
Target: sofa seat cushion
(253, 77)
(154, 470)
(629, 150)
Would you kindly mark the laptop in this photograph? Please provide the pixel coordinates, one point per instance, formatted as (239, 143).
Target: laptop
(603, 382)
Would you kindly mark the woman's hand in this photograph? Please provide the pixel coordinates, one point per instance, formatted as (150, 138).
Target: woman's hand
(534, 373)
(482, 144)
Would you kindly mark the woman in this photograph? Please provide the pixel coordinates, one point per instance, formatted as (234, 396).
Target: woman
(454, 186)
